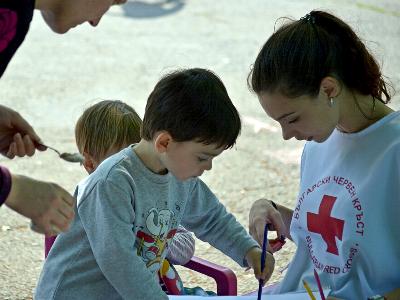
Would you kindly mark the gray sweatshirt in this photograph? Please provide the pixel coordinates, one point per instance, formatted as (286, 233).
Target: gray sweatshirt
(125, 218)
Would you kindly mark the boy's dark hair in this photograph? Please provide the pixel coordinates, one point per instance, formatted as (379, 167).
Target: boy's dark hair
(192, 104)
(300, 54)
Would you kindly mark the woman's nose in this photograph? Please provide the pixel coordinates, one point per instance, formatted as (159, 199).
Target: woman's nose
(287, 134)
(95, 22)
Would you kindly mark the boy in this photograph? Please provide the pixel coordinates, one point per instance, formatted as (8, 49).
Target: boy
(129, 208)
(104, 129)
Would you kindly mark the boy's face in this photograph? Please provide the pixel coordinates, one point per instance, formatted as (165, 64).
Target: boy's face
(189, 159)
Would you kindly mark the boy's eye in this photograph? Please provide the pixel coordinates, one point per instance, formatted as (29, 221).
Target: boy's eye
(201, 159)
(293, 120)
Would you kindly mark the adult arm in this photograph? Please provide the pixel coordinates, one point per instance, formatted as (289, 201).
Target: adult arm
(49, 206)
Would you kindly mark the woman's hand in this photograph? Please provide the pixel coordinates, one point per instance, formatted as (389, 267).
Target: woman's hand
(49, 206)
(17, 137)
(263, 212)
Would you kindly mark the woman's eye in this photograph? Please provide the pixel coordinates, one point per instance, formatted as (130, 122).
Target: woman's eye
(200, 159)
(293, 120)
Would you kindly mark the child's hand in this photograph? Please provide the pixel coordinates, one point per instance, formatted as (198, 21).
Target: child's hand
(253, 258)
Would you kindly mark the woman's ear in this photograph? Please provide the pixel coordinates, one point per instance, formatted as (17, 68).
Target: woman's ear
(330, 87)
(162, 141)
(88, 163)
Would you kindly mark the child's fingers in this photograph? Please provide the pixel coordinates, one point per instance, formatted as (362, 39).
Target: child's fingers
(257, 272)
(269, 267)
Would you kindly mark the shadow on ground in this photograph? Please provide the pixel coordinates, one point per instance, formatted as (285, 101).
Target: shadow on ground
(146, 9)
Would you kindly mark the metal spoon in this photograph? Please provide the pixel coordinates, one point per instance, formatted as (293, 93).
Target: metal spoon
(70, 157)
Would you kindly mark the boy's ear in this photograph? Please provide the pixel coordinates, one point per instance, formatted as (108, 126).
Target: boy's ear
(162, 141)
(88, 163)
(330, 87)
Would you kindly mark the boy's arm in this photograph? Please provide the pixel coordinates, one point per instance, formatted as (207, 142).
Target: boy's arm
(181, 248)
(107, 215)
(209, 220)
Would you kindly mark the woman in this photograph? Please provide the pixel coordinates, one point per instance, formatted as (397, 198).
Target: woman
(317, 79)
(49, 206)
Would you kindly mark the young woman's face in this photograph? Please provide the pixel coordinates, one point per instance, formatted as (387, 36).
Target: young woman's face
(66, 14)
(189, 159)
(303, 118)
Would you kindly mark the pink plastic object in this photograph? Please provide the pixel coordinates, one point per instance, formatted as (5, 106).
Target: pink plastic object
(277, 244)
(224, 277)
(48, 242)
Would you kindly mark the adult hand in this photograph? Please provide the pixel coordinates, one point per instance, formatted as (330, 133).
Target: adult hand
(49, 206)
(253, 257)
(17, 137)
(262, 212)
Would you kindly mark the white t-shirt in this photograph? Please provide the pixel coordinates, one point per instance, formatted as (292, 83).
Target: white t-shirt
(346, 223)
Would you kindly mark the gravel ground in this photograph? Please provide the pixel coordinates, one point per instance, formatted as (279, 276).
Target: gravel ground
(53, 78)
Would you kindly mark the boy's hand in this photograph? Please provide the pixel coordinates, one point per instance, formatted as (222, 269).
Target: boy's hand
(253, 258)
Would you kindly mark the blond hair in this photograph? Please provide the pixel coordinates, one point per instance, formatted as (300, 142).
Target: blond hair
(107, 125)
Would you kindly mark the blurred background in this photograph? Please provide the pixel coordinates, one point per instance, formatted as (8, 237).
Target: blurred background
(53, 78)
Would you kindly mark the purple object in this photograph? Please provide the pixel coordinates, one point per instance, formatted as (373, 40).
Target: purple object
(48, 242)
(5, 184)
(264, 249)
(224, 277)
(321, 291)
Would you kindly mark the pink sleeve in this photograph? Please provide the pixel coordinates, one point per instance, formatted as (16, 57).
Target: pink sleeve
(5, 184)
(181, 248)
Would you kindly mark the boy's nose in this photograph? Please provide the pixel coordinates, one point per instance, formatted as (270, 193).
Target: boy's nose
(208, 166)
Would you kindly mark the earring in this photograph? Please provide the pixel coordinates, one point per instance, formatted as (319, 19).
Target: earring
(331, 102)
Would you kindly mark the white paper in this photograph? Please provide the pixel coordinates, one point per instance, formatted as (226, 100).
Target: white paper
(289, 296)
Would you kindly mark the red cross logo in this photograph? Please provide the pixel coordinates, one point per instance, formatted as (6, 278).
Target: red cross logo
(327, 226)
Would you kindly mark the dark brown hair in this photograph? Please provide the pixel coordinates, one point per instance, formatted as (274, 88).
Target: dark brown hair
(192, 105)
(300, 54)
